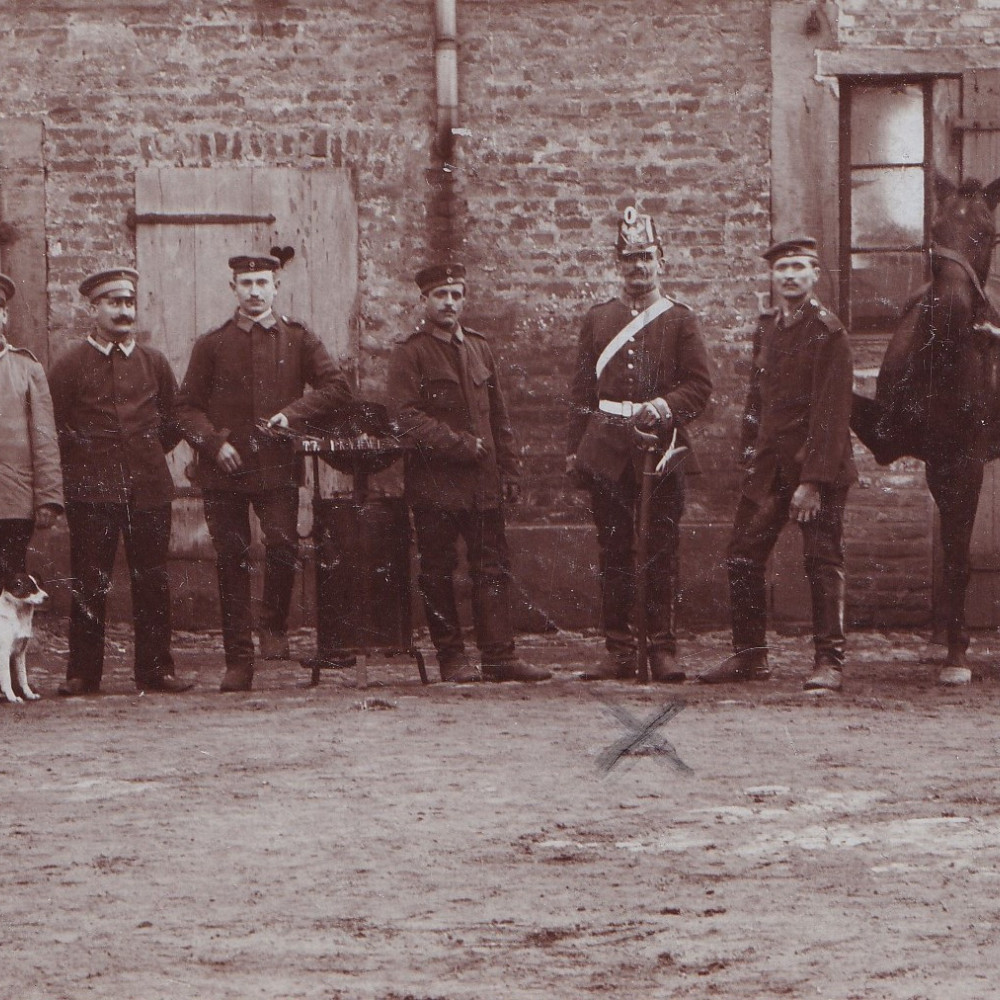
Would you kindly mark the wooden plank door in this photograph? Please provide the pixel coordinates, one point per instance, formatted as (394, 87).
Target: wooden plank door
(980, 132)
(190, 221)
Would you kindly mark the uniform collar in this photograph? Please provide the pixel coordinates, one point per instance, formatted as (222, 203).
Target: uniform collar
(807, 305)
(106, 346)
(446, 338)
(246, 323)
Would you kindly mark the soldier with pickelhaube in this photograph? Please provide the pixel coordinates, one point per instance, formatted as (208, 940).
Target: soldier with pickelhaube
(641, 363)
(796, 448)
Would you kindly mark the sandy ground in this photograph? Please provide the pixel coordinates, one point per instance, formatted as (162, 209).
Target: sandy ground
(446, 842)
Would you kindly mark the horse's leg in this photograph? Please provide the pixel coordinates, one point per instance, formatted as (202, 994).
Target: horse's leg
(955, 484)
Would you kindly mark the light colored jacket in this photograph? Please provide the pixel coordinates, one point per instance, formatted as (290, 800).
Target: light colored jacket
(30, 475)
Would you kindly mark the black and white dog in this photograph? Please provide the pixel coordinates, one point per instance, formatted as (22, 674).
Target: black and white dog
(21, 595)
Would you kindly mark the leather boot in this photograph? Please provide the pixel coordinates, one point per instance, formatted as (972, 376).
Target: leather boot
(827, 589)
(617, 665)
(238, 677)
(456, 669)
(273, 646)
(746, 665)
(514, 670)
(663, 667)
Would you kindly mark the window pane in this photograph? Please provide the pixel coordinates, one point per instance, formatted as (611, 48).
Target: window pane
(887, 124)
(881, 284)
(887, 207)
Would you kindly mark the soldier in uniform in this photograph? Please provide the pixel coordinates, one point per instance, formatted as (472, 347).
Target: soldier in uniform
(445, 388)
(641, 362)
(254, 368)
(113, 400)
(31, 494)
(796, 445)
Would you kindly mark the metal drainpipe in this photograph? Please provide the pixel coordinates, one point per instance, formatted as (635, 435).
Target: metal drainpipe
(443, 173)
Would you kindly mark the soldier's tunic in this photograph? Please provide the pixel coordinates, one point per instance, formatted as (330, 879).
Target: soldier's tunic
(113, 410)
(446, 393)
(796, 429)
(30, 475)
(242, 372)
(666, 359)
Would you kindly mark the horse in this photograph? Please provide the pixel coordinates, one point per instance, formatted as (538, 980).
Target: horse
(936, 397)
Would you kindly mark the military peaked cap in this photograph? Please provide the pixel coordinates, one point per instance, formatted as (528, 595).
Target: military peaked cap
(636, 232)
(439, 274)
(115, 279)
(6, 289)
(797, 246)
(246, 263)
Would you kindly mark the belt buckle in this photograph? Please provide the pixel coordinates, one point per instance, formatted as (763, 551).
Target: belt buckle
(628, 408)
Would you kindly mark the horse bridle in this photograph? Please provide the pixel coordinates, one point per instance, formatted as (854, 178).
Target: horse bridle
(939, 251)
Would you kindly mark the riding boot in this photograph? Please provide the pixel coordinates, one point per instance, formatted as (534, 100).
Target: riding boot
(748, 604)
(827, 587)
(441, 613)
(234, 598)
(491, 614)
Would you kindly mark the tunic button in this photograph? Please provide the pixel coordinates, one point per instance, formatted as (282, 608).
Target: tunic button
(631, 367)
(635, 312)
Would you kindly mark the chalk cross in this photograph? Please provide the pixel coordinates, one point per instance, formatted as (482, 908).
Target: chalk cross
(641, 737)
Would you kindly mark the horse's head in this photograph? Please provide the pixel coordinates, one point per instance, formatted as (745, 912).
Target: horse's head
(963, 220)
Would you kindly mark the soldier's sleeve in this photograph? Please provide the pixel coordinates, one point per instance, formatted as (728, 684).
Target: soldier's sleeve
(166, 405)
(508, 455)
(329, 388)
(46, 468)
(750, 424)
(688, 399)
(830, 411)
(417, 426)
(583, 385)
(191, 410)
(62, 388)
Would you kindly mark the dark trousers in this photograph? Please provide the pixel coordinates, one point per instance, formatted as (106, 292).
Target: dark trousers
(615, 508)
(483, 532)
(15, 534)
(93, 541)
(755, 532)
(228, 517)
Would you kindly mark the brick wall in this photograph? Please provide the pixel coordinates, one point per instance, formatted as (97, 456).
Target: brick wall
(573, 109)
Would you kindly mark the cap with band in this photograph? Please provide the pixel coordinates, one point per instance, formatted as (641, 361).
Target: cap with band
(116, 279)
(6, 289)
(431, 277)
(249, 263)
(797, 246)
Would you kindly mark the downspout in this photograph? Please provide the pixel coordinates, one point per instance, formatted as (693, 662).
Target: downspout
(444, 209)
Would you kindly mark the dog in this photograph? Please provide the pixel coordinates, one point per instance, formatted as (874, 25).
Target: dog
(20, 596)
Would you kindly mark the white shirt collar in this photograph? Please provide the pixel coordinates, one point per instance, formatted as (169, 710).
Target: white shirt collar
(127, 346)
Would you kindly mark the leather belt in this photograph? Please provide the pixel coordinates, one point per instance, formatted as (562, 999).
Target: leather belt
(623, 409)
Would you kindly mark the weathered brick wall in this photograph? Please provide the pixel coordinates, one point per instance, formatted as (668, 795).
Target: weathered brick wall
(919, 23)
(574, 110)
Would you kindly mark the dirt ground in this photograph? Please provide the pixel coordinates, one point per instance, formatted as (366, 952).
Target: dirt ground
(444, 842)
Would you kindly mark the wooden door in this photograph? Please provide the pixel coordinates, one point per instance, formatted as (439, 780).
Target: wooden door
(979, 128)
(190, 221)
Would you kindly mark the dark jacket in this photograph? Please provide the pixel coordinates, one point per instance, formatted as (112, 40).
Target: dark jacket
(114, 418)
(241, 373)
(666, 359)
(443, 418)
(796, 426)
